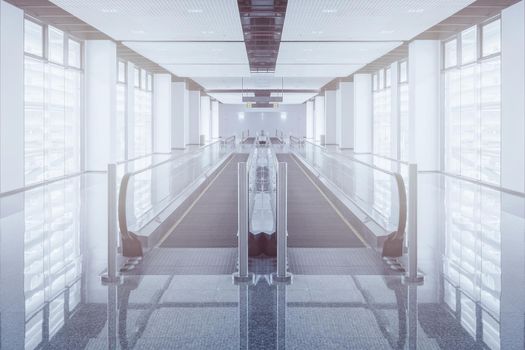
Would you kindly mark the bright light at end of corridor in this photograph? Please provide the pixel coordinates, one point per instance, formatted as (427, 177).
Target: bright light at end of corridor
(240, 115)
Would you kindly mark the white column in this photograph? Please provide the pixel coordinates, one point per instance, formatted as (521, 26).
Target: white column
(423, 78)
(101, 80)
(330, 115)
(11, 97)
(12, 300)
(394, 109)
(338, 111)
(310, 119)
(512, 102)
(215, 119)
(363, 113)
(194, 117)
(179, 110)
(130, 111)
(346, 111)
(512, 174)
(162, 113)
(319, 117)
(205, 123)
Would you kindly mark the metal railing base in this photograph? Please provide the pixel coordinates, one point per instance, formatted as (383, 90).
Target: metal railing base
(238, 279)
(286, 279)
(107, 280)
(418, 279)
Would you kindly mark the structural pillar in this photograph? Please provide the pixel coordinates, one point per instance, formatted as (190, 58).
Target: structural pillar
(310, 120)
(345, 110)
(363, 113)
(162, 113)
(423, 79)
(11, 97)
(330, 114)
(319, 120)
(205, 118)
(101, 81)
(394, 110)
(512, 102)
(179, 111)
(194, 116)
(215, 119)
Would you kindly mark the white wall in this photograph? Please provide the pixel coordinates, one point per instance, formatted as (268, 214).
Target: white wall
(330, 114)
(319, 119)
(179, 110)
(11, 97)
(214, 119)
(512, 98)
(205, 124)
(363, 113)
(310, 119)
(423, 80)
(346, 118)
(162, 113)
(262, 119)
(101, 79)
(194, 117)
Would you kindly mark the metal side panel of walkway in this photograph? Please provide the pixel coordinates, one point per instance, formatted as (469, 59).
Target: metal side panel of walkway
(211, 221)
(249, 141)
(313, 221)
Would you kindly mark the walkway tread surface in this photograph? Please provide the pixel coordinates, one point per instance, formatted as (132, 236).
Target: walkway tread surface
(212, 221)
(312, 221)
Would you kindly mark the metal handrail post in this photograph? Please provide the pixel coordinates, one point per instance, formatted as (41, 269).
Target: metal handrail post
(242, 275)
(412, 276)
(282, 274)
(112, 275)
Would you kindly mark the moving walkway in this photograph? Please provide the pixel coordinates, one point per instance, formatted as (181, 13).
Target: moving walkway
(196, 204)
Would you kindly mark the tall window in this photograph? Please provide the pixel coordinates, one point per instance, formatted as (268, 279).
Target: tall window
(52, 101)
(403, 111)
(382, 113)
(143, 112)
(121, 137)
(472, 102)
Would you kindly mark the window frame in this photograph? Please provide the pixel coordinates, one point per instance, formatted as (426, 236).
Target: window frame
(44, 59)
(480, 59)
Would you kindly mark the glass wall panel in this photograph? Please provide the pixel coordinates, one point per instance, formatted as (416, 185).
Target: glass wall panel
(472, 108)
(469, 48)
(33, 38)
(52, 109)
(491, 38)
(55, 45)
(451, 53)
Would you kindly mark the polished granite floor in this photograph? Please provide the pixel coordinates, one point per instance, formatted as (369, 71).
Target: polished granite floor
(471, 251)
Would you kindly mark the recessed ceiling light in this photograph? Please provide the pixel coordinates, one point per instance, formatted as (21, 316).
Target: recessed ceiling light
(207, 32)
(307, 50)
(386, 31)
(138, 31)
(329, 10)
(416, 10)
(109, 10)
(317, 32)
(194, 10)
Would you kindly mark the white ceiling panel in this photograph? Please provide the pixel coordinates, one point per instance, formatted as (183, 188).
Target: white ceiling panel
(191, 52)
(333, 52)
(208, 70)
(210, 20)
(319, 20)
(262, 81)
(320, 70)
